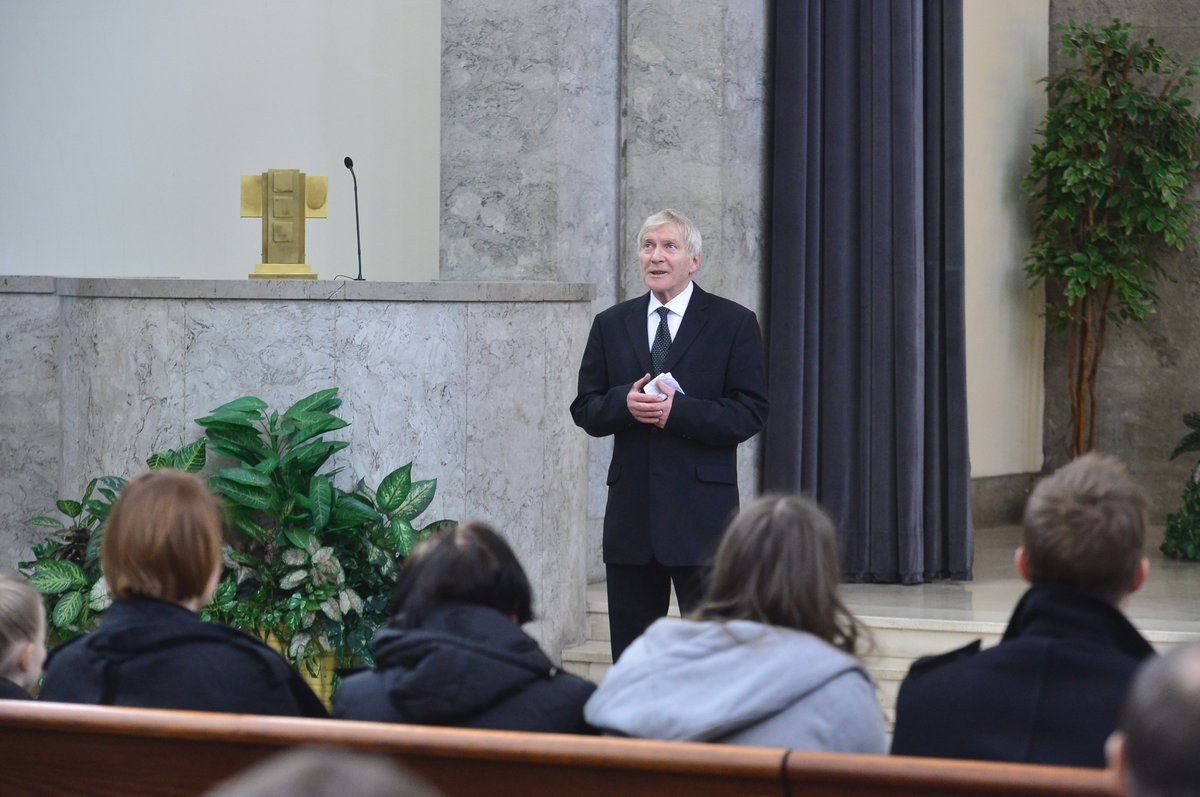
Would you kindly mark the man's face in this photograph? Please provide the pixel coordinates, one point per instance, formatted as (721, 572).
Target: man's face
(666, 266)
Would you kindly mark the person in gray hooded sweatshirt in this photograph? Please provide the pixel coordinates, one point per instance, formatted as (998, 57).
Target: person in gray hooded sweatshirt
(769, 657)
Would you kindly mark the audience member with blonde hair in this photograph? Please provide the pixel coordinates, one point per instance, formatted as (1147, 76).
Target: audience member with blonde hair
(22, 638)
(1050, 692)
(454, 652)
(770, 656)
(161, 557)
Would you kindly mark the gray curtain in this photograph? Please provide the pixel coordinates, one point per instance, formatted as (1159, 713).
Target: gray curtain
(865, 323)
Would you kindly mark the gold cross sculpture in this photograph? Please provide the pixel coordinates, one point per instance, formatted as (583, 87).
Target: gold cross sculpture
(284, 198)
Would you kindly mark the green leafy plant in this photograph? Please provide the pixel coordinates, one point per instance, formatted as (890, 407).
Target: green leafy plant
(66, 565)
(1109, 181)
(189, 459)
(312, 564)
(1182, 539)
(309, 564)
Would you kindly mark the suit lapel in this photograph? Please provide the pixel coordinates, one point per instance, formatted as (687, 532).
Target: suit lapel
(693, 321)
(635, 324)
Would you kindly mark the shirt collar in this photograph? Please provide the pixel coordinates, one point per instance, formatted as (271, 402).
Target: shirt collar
(678, 305)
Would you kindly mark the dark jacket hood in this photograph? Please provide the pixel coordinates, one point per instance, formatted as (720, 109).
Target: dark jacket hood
(135, 626)
(461, 660)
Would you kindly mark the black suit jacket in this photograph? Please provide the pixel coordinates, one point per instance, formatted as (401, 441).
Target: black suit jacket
(672, 490)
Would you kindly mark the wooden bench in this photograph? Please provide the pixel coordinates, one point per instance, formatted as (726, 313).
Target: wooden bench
(53, 749)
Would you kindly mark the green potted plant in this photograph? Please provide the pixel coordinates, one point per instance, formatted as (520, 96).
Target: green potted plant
(311, 564)
(65, 567)
(1182, 539)
(1110, 182)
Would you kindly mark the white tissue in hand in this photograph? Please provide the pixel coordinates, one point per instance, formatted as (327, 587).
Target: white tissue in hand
(653, 389)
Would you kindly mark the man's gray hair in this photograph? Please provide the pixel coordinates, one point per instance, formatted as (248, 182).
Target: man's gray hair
(687, 230)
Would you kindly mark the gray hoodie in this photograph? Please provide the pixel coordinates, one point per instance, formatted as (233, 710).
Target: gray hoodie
(739, 682)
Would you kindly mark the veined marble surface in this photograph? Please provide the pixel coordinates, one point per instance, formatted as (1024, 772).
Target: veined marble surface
(565, 124)
(469, 381)
(315, 290)
(529, 140)
(30, 414)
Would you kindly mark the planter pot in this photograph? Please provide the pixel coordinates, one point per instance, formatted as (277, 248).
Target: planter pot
(321, 682)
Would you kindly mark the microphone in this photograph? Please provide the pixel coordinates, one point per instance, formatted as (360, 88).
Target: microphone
(350, 165)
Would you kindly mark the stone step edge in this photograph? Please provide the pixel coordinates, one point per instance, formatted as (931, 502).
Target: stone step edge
(589, 652)
(598, 651)
(599, 606)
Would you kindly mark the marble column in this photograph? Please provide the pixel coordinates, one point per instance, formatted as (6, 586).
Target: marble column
(565, 124)
(529, 140)
(30, 411)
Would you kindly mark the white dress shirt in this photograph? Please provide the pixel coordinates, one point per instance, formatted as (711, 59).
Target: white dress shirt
(677, 307)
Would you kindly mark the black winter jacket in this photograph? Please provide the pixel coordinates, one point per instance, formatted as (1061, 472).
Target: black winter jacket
(159, 655)
(467, 666)
(10, 691)
(1049, 693)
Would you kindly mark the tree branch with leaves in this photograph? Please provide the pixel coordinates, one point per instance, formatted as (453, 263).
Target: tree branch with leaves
(1110, 180)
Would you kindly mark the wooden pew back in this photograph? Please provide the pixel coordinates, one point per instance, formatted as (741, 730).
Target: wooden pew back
(50, 749)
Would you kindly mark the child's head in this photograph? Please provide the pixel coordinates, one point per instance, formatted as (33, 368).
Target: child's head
(1084, 527)
(22, 632)
(470, 563)
(163, 540)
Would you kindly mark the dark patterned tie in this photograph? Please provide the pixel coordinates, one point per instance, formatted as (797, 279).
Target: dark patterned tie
(662, 341)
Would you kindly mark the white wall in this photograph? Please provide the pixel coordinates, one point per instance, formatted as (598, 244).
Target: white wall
(126, 124)
(1006, 53)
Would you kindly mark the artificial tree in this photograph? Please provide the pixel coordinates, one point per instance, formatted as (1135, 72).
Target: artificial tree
(1110, 181)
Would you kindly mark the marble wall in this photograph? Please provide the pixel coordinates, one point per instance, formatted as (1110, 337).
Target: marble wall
(565, 124)
(439, 374)
(30, 410)
(529, 140)
(694, 137)
(1150, 372)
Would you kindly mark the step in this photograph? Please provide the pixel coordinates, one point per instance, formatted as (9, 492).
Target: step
(597, 612)
(908, 639)
(896, 644)
(887, 674)
(589, 660)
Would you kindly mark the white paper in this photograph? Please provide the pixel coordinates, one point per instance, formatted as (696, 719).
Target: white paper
(653, 389)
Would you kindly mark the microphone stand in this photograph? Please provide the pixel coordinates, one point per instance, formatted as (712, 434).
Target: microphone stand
(350, 165)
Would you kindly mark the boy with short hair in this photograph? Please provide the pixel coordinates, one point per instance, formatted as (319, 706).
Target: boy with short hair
(1050, 692)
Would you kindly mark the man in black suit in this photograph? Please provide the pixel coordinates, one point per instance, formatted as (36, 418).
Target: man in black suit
(1050, 692)
(672, 482)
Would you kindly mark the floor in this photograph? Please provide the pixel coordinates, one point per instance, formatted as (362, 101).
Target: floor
(1169, 603)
